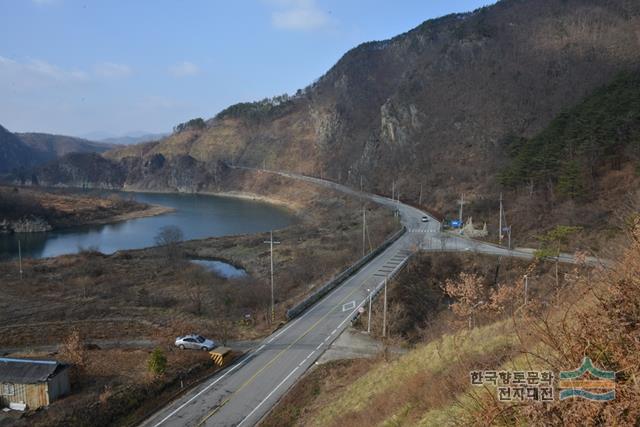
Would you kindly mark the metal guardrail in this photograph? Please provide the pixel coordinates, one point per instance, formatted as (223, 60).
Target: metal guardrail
(376, 291)
(297, 309)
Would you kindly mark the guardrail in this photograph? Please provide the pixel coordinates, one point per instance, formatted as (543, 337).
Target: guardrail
(376, 291)
(316, 296)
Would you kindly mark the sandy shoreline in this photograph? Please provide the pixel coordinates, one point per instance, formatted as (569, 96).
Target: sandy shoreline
(295, 207)
(151, 210)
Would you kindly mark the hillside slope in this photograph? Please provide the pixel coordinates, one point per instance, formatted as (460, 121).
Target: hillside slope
(434, 105)
(13, 152)
(49, 147)
(21, 151)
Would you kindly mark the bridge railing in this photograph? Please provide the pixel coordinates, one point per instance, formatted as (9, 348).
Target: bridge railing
(316, 296)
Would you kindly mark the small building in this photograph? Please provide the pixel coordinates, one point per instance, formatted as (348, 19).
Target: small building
(34, 383)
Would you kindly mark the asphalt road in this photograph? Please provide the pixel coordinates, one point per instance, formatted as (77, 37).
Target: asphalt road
(243, 393)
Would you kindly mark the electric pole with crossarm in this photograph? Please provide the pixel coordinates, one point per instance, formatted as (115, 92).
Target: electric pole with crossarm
(271, 242)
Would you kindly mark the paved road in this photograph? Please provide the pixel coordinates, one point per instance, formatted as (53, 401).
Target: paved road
(243, 393)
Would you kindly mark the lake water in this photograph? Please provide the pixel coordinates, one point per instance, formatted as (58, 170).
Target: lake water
(198, 216)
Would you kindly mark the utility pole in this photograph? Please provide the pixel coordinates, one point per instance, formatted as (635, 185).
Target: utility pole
(20, 258)
(526, 288)
(461, 201)
(271, 242)
(384, 313)
(364, 230)
(393, 190)
(369, 321)
(420, 197)
(500, 223)
(361, 183)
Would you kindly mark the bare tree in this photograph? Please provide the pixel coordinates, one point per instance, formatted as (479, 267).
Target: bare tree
(197, 282)
(470, 294)
(169, 238)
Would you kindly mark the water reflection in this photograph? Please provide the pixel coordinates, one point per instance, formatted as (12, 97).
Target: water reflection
(199, 216)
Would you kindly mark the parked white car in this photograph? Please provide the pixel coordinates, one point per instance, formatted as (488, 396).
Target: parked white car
(195, 342)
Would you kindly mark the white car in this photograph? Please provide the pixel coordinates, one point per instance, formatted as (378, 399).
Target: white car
(195, 342)
(425, 219)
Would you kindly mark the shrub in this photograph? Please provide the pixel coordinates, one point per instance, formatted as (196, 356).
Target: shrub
(157, 363)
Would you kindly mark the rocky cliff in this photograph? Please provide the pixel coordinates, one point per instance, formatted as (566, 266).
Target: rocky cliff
(436, 105)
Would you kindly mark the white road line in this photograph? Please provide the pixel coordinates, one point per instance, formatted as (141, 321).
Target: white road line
(308, 356)
(260, 348)
(348, 306)
(199, 393)
(267, 342)
(296, 368)
(319, 345)
(268, 396)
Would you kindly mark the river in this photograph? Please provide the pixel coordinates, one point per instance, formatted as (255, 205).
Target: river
(197, 215)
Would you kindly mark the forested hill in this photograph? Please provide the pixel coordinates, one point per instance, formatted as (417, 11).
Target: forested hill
(599, 134)
(437, 105)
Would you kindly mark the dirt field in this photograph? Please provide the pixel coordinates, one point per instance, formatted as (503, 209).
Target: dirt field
(156, 294)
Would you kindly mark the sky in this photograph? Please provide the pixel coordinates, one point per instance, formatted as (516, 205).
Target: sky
(110, 67)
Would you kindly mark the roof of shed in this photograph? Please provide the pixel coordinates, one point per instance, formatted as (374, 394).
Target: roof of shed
(28, 371)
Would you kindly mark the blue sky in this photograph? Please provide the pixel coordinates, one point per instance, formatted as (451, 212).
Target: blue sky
(78, 67)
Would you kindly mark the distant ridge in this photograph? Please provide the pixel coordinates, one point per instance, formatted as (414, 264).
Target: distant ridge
(134, 138)
(22, 151)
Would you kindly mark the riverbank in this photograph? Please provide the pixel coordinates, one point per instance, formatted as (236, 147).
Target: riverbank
(156, 294)
(150, 210)
(25, 210)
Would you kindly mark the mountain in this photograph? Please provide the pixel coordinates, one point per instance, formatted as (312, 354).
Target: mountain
(133, 138)
(13, 152)
(437, 105)
(48, 147)
(520, 97)
(22, 151)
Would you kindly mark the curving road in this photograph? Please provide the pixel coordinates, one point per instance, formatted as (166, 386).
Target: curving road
(243, 393)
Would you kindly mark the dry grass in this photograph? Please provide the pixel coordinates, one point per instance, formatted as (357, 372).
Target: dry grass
(142, 294)
(372, 396)
(593, 313)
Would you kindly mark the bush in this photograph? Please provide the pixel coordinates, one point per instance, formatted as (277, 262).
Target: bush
(157, 363)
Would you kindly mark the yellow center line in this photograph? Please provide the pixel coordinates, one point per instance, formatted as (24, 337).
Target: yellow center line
(276, 357)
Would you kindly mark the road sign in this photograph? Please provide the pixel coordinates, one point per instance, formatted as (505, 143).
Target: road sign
(455, 223)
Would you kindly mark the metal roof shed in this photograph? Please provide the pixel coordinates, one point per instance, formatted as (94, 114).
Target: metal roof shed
(35, 383)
